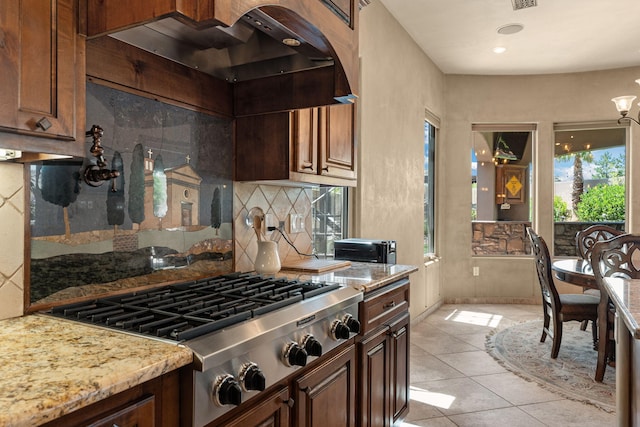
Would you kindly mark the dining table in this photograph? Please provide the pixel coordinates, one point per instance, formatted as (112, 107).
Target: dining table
(576, 271)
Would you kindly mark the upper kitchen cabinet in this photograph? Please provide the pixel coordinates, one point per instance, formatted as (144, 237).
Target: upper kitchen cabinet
(42, 64)
(308, 146)
(337, 145)
(278, 55)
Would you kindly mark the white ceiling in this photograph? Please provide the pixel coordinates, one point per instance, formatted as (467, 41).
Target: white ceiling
(559, 36)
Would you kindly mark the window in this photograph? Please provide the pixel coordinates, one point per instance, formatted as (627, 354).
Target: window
(501, 188)
(329, 210)
(429, 187)
(589, 181)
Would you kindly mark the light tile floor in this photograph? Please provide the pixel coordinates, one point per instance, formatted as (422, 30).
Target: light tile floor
(454, 382)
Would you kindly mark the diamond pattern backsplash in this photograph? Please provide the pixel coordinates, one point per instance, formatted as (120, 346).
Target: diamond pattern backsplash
(279, 202)
(12, 238)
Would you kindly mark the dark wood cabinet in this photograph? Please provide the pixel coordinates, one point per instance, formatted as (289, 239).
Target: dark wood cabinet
(383, 354)
(136, 414)
(337, 141)
(154, 403)
(42, 64)
(323, 141)
(399, 364)
(511, 184)
(270, 411)
(326, 395)
(321, 394)
(321, 24)
(312, 145)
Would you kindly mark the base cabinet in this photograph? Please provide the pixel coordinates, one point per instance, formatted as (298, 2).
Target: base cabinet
(320, 395)
(326, 396)
(271, 411)
(383, 354)
(154, 403)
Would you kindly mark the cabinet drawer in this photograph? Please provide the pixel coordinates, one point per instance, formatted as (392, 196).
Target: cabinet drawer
(137, 414)
(383, 305)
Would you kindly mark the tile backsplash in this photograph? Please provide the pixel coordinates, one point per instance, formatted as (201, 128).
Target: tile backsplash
(12, 235)
(278, 202)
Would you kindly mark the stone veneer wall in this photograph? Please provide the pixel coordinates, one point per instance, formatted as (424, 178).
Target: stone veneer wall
(564, 242)
(12, 238)
(500, 238)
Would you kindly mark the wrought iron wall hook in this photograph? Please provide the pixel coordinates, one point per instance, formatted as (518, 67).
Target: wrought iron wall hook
(96, 175)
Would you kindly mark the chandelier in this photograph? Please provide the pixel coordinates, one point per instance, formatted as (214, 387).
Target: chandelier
(624, 104)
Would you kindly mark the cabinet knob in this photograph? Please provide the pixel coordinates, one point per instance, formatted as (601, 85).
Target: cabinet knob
(307, 165)
(43, 123)
(289, 402)
(389, 305)
(325, 169)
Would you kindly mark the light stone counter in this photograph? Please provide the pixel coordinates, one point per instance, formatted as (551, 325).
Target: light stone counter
(625, 294)
(363, 276)
(50, 367)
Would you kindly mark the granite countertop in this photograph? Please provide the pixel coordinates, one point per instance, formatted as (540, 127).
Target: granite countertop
(625, 294)
(363, 276)
(51, 367)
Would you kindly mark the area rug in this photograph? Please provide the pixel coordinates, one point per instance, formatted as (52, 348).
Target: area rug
(519, 350)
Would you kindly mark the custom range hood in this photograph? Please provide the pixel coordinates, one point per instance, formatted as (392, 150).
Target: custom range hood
(256, 46)
(262, 42)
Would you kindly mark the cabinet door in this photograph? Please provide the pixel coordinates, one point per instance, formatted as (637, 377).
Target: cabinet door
(272, 411)
(305, 140)
(38, 64)
(325, 396)
(399, 363)
(510, 184)
(337, 141)
(374, 379)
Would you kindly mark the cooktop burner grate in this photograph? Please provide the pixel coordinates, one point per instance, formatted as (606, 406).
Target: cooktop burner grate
(186, 310)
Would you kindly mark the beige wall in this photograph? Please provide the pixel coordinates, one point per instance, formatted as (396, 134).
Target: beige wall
(398, 82)
(543, 100)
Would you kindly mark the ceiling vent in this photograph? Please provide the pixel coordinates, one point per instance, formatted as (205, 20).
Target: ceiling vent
(523, 4)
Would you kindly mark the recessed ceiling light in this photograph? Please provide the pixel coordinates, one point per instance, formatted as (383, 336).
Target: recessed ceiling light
(499, 49)
(510, 29)
(291, 42)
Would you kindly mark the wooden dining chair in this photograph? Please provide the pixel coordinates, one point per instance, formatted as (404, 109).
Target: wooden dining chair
(585, 239)
(559, 307)
(617, 257)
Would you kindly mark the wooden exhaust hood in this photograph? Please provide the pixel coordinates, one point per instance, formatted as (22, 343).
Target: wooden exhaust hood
(278, 55)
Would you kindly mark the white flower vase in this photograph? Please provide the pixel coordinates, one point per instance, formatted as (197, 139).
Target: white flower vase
(267, 260)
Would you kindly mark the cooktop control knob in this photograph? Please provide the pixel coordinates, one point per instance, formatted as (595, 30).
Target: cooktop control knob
(226, 391)
(294, 355)
(251, 377)
(352, 324)
(339, 331)
(312, 346)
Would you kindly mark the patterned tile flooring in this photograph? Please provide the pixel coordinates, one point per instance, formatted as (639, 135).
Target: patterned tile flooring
(454, 382)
